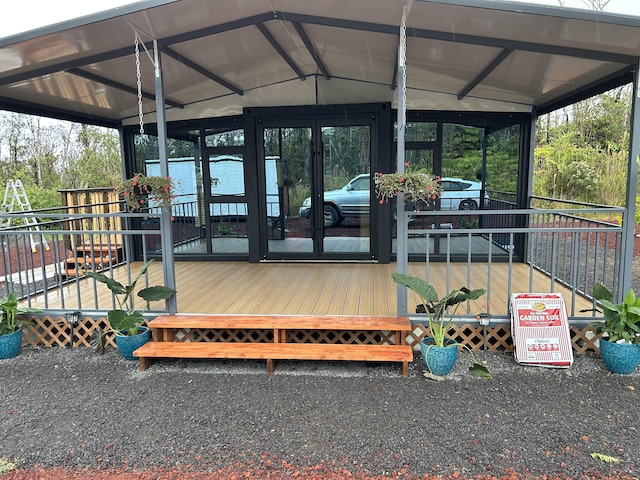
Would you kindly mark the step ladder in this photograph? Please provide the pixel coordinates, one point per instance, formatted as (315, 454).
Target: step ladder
(15, 195)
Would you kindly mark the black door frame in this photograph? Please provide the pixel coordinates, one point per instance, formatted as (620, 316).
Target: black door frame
(377, 116)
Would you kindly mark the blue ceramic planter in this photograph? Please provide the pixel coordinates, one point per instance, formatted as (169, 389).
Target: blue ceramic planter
(127, 345)
(10, 344)
(439, 360)
(620, 357)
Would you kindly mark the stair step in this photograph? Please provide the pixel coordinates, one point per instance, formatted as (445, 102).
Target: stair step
(90, 260)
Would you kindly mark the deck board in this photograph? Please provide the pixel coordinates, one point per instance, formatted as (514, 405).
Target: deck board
(313, 289)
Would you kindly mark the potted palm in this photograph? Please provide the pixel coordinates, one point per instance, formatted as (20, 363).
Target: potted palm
(126, 322)
(10, 331)
(439, 352)
(620, 330)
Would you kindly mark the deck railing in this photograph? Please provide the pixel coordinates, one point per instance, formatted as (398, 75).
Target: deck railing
(574, 247)
(50, 258)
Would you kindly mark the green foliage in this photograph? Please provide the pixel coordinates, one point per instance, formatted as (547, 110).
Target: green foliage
(567, 172)
(436, 310)
(297, 195)
(462, 151)
(435, 307)
(621, 320)
(126, 316)
(146, 148)
(99, 163)
(9, 309)
(140, 189)
(416, 186)
(43, 198)
(582, 150)
(502, 159)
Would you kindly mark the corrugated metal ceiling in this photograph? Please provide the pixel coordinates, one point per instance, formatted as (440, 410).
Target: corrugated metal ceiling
(221, 56)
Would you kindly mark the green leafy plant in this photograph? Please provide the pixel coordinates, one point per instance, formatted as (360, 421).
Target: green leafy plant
(126, 318)
(9, 310)
(417, 186)
(621, 320)
(435, 307)
(140, 189)
(436, 310)
(471, 223)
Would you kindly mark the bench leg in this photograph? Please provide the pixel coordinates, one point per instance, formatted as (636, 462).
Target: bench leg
(271, 365)
(145, 363)
(405, 369)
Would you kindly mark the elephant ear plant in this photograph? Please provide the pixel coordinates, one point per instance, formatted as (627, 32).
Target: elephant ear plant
(8, 311)
(436, 310)
(126, 319)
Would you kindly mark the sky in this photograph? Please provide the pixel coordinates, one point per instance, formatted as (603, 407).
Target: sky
(23, 15)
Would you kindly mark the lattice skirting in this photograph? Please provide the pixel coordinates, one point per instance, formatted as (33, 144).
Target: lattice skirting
(48, 332)
(498, 338)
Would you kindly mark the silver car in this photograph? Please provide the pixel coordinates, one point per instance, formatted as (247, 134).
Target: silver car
(353, 199)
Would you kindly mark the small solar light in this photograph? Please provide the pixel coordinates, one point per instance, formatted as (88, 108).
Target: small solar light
(72, 320)
(484, 319)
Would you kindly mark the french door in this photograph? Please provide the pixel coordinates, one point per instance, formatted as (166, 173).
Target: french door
(316, 188)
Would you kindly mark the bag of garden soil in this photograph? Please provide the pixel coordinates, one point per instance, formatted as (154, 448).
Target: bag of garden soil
(540, 330)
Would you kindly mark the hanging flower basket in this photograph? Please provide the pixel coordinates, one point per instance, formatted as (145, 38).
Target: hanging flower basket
(417, 186)
(140, 189)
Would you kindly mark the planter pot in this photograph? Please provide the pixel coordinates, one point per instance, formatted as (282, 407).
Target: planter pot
(127, 344)
(620, 358)
(10, 344)
(439, 360)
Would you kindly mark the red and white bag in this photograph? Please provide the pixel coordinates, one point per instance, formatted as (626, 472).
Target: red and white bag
(540, 330)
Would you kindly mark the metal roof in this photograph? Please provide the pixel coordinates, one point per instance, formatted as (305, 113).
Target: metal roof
(220, 56)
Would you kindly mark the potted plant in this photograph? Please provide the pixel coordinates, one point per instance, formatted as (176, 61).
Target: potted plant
(140, 189)
(418, 186)
(439, 352)
(10, 331)
(620, 330)
(126, 321)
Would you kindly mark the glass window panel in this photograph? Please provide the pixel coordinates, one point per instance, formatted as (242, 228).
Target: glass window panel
(418, 132)
(227, 138)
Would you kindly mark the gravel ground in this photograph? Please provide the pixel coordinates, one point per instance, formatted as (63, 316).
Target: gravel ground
(80, 411)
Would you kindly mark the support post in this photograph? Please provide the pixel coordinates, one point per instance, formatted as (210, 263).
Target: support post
(166, 226)
(628, 232)
(401, 220)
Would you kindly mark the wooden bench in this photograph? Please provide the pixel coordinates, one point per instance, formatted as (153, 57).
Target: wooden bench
(280, 330)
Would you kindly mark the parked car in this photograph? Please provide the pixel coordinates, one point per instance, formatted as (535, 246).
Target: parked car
(460, 194)
(353, 199)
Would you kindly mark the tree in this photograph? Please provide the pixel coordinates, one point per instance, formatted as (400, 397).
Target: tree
(98, 164)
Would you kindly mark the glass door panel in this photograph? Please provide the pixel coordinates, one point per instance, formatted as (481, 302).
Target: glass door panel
(346, 182)
(227, 203)
(288, 191)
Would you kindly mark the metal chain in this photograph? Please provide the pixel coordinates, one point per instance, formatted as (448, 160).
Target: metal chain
(139, 83)
(403, 63)
(403, 41)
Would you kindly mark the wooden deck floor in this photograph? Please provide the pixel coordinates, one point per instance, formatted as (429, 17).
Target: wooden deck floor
(313, 289)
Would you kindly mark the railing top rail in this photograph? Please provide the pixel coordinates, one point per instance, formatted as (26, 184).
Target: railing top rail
(572, 202)
(511, 229)
(520, 211)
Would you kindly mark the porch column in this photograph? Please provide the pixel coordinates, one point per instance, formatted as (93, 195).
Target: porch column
(401, 221)
(166, 226)
(628, 224)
